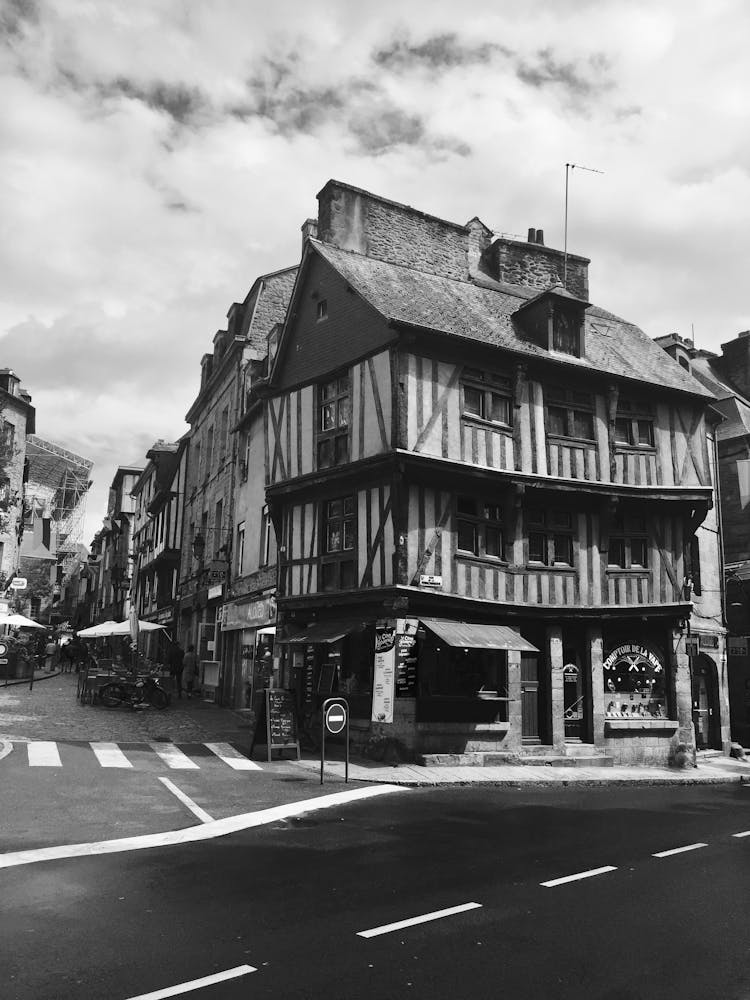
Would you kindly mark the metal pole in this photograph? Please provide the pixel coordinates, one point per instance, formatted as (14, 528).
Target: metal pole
(346, 772)
(565, 233)
(322, 743)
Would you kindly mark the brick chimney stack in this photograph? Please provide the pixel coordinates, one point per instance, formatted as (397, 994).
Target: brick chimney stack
(734, 363)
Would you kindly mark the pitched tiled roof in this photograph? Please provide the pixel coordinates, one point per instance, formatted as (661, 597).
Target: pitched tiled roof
(482, 311)
(272, 301)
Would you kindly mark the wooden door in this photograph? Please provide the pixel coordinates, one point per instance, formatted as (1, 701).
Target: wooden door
(530, 693)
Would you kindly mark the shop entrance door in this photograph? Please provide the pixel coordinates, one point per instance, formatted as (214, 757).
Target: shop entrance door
(573, 702)
(705, 705)
(530, 697)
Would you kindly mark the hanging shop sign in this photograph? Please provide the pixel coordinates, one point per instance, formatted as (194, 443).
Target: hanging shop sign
(737, 645)
(708, 641)
(384, 674)
(248, 614)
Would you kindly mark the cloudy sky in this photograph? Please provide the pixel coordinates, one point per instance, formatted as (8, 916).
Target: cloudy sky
(157, 155)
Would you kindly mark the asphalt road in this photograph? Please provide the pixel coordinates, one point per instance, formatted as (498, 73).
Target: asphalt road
(292, 900)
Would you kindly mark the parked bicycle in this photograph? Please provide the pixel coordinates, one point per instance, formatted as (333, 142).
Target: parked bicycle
(138, 694)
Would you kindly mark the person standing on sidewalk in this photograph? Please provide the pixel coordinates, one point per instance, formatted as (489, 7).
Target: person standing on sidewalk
(190, 664)
(50, 651)
(176, 659)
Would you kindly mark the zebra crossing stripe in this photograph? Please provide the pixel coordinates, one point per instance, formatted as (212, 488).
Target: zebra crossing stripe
(110, 755)
(43, 754)
(174, 757)
(233, 757)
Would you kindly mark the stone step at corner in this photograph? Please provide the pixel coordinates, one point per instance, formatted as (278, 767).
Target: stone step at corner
(489, 758)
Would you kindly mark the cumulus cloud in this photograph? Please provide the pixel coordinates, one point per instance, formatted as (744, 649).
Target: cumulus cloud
(156, 157)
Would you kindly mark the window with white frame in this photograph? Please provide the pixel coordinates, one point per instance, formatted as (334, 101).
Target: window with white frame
(570, 414)
(265, 537)
(338, 565)
(486, 397)
(628, 542)
(634, 425)
(550, 536)
(479, 528)
(332, 431)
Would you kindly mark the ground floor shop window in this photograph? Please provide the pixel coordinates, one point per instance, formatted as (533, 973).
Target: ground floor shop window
(634, 684)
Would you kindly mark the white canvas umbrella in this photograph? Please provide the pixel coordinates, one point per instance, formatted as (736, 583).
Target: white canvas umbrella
(116, 628)
(19, 621)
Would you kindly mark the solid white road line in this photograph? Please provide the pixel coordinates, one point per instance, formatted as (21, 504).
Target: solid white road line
(174, 757)
(745, 833)
(43, 754)
(197, 984)
(193, 834)
(579, 875)
(678, 850)
(192, 806)
(110, 755)
(425, 918)
(233, 757)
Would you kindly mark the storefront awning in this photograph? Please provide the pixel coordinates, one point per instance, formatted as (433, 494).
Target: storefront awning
(322, 632)
(473, 636)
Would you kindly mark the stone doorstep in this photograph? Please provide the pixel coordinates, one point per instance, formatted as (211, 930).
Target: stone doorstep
(493, 759)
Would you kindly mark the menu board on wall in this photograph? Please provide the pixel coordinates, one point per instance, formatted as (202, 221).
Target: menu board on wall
(309, 674)
(384, 674)
(406, 666)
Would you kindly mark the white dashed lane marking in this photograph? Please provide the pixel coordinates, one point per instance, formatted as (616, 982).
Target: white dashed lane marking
(174, 757)
(678, 850)
(423, 919)
(110, 755)
(233, 757)
(745, 833)
(197, 984)
(578, 876)
(194, 808)
(43, 754)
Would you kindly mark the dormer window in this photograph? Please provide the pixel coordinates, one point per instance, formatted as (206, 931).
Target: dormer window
(555, 320)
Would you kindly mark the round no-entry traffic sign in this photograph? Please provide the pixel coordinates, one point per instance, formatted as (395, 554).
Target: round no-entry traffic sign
(335, 718)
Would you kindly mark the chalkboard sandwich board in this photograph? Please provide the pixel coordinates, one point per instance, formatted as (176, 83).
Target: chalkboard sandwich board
(280, 713)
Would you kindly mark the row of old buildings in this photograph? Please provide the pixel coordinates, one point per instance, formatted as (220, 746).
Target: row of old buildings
(424, 472)
(43, 489)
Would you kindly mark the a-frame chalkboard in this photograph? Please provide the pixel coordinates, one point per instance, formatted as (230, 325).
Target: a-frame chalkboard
(279, 717)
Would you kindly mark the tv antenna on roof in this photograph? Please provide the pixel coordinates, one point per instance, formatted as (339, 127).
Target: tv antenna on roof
(568, 168)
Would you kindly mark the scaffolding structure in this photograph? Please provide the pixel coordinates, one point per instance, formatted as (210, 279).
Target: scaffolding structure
(57, 485)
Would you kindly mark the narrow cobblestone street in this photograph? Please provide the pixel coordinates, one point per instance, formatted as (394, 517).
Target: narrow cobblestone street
(51, 711)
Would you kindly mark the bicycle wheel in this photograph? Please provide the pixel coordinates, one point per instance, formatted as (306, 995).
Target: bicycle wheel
(112, 695)
(158, 698)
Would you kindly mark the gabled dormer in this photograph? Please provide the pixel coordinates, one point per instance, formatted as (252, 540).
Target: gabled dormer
(554, 320)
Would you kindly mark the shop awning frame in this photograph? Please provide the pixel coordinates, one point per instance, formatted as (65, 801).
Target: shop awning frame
(326, 632)
(471, 635)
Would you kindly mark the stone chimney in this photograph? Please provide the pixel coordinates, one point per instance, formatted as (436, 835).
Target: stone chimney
(9, 381)
(534, 265)
(309, 231)
(364, 223)
(734, 363)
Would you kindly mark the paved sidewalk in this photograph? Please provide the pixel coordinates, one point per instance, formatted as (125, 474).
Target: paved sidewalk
(710, 771)
(51, 712)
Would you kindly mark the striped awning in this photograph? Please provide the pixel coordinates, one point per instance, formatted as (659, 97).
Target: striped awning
(473, 636)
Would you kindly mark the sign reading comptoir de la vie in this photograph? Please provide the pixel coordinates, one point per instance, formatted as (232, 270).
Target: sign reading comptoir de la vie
(633, 652)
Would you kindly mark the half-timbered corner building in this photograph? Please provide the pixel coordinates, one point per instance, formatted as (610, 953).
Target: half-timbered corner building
(487, 486)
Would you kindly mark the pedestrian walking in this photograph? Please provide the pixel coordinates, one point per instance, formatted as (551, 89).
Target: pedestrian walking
(190, 668)
(50, 651)
(176, 659)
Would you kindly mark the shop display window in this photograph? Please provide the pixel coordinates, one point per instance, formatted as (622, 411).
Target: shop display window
(634, 685)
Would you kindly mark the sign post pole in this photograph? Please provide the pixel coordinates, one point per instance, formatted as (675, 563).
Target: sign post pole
(335, 719)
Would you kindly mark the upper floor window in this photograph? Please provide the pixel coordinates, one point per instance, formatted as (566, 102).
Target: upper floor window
(550, 535)
(209, 453)
(634, 427)
(240, 547)
(339, 566)
(265, 537)
(566, 332)
(334, 407)
(479, 528)
(628, 542)
(486, 397)
(570, 414)
(322, 310)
